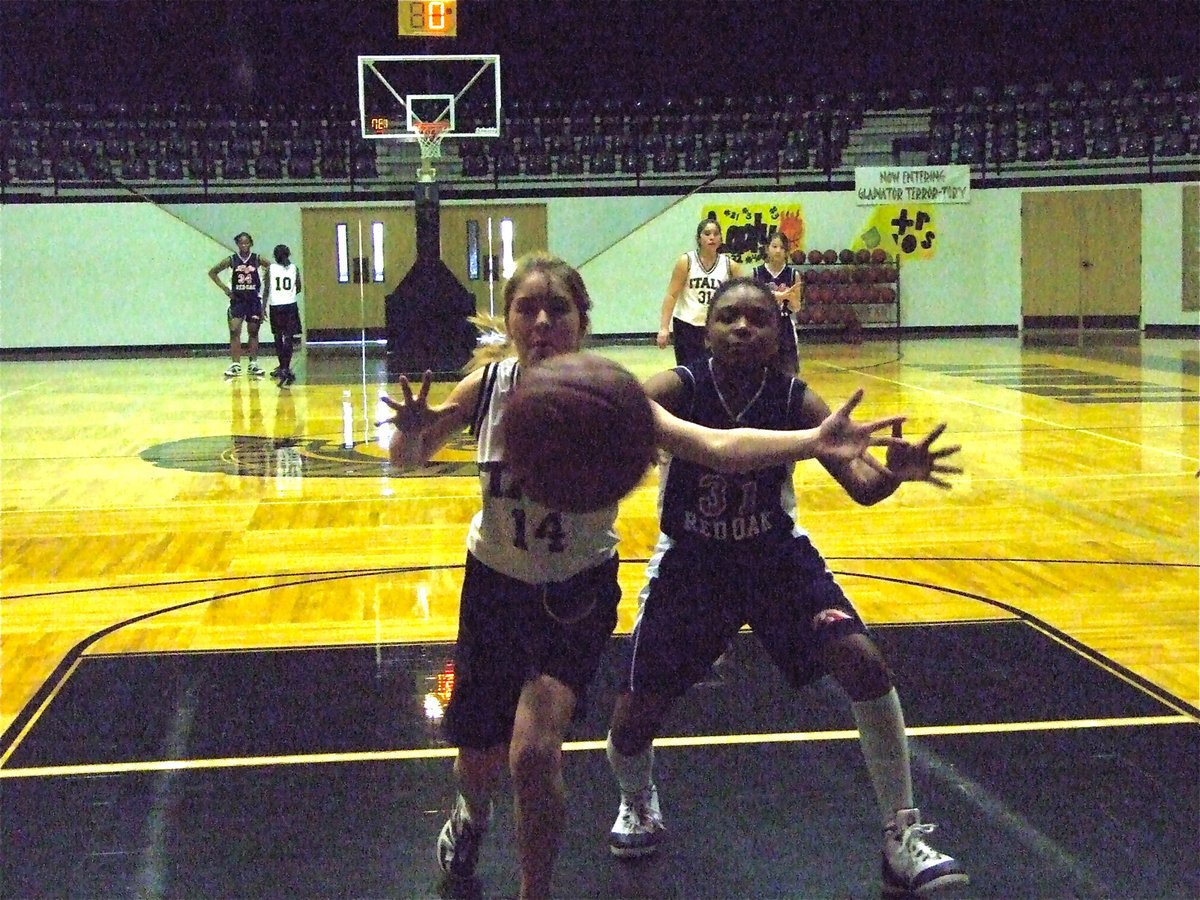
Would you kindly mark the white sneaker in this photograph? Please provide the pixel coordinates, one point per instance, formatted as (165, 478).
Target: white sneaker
(458, 844)
(234, 370)
(639, 827)
(911, 866)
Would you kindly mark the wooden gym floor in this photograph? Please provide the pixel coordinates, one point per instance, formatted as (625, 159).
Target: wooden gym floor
(224, 641)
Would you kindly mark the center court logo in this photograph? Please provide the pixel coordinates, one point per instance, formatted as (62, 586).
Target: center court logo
(256, 456)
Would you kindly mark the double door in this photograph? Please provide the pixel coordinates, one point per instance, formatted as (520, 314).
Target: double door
(1081, 262)
(355, 256)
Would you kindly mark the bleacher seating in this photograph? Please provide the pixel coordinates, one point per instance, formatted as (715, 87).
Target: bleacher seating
(1019, 127)
(603, 162)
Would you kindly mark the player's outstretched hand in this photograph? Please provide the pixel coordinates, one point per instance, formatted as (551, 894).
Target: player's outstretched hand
(413, 419)
(842, 439)
(918, 462)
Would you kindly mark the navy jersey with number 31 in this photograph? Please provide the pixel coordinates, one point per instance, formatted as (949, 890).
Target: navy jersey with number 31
(730, 509)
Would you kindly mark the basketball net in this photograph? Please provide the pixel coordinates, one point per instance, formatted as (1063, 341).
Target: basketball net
(429, 139)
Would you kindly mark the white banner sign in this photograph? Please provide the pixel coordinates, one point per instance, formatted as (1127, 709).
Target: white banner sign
(876, 185)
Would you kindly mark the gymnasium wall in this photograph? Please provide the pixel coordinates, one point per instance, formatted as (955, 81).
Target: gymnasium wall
(135, 274)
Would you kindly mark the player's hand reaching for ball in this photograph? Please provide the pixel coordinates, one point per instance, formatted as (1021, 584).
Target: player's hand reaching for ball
(841, 439)
(414, 422)
(918, 462)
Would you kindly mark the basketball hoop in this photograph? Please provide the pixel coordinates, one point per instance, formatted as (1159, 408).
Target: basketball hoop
(429, 137)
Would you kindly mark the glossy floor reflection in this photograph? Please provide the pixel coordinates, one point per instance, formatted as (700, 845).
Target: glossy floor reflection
(225, 637)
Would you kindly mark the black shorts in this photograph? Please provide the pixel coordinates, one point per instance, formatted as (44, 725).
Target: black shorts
(689, 341)
(245, 308)
(285, 319)
(699, 599)
(510, 631)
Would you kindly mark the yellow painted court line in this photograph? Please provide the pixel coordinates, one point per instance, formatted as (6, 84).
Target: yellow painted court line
(38, 713)
(699, 741)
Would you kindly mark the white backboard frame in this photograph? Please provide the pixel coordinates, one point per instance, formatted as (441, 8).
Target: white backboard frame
(396, 77)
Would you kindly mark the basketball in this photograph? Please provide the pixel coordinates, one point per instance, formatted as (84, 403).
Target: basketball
(578, 432)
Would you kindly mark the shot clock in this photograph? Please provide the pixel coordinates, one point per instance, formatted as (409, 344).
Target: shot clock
(428, 18)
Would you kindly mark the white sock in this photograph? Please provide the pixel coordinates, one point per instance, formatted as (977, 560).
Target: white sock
(885, 749)
(634, 773)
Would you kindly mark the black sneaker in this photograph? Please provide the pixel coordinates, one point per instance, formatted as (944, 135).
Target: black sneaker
(458, 844)
(277, 371)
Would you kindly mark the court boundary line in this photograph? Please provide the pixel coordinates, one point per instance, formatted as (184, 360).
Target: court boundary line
(439, 567)
(94, 769)
(1057, 426)
(25, 719)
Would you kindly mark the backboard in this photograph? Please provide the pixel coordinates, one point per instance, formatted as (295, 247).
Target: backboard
(394, 92)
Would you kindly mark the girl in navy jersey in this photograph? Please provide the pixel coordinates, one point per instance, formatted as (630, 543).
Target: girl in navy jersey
(781, 278)
(245, 301)
(695, 278)
(732, 553)
(540, 591)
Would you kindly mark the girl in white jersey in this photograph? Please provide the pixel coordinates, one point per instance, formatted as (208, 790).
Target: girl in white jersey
(695, 278)
(540, 592)
(283, 284)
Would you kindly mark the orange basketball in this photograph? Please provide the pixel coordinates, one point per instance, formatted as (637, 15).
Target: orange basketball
(578, 432)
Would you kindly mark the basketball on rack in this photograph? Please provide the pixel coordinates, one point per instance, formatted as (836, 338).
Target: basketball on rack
(578, 432)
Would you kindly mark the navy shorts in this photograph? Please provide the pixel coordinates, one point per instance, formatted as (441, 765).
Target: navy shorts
(699, 599)
(245, 308)
(510, 631)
